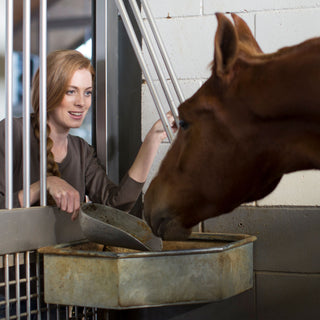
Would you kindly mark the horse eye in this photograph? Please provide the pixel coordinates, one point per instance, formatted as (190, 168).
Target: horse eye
(183, 124)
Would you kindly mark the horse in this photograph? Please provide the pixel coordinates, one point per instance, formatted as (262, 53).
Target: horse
(255, 119)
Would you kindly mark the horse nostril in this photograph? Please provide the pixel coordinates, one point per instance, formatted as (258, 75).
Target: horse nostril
(161, 226)
(168, 228)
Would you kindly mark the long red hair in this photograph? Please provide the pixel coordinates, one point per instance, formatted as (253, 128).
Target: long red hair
(61, 65)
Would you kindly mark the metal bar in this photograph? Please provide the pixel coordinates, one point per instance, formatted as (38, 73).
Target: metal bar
(38, 285)
(9, 95)
(17, 272)
(106, 80)
(27, 266)
(154, 59)
(67, 312)
(6, 281)
(58, 312)
(162, 50)
(26, 102)
(43, 102)
(136, 47)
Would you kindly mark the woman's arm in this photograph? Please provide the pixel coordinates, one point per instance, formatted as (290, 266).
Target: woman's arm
(65, 196)
(148, 150)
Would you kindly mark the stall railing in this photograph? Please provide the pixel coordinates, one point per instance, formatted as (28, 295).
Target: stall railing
(21, 274)
(154, 58)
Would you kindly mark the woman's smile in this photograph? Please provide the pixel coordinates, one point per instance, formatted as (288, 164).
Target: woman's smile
(76, 115)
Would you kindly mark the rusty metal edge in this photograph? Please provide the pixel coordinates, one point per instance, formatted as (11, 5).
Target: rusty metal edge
(237, 241)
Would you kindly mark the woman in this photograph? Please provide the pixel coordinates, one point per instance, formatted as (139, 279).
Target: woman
(73, 171)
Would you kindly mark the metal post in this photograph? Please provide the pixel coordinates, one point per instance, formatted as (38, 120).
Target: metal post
(106, 79)
(154, 59)
(26, 103)
(139, 55)
(38, 285)
(17, 271)
(7, 280)
(9, 95)
(28, 301)
(162, 50)
(43, 102)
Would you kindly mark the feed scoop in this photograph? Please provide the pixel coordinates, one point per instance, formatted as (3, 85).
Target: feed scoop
(113, 227)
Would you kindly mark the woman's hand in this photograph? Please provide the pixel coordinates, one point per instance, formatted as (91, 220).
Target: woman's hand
(148, 150)
(66, 197)
(158, 130)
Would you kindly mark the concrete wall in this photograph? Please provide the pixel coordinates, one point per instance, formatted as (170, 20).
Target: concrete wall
(287, 222)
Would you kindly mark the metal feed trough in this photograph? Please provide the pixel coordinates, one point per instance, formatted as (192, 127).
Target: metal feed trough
(207, 267)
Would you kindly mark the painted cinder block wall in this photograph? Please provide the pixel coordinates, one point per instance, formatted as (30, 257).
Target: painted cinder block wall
(287, 222)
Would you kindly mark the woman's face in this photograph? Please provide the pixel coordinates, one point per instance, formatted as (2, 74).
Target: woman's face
(75, 104)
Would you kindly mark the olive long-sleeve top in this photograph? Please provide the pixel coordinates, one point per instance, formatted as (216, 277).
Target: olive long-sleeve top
(80, 168)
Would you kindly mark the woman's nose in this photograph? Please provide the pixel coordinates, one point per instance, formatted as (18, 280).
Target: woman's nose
(80, 100)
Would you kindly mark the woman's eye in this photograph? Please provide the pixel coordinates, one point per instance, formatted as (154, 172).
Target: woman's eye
(88, 93)
(70, 92)
(183, 124)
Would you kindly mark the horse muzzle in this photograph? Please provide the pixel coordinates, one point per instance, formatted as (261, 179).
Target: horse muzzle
(165, 226)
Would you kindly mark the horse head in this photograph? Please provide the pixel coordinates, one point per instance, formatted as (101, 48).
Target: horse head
(255, 119)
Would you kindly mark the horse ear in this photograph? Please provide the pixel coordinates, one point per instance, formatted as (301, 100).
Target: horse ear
(245, 35)
(225, 46)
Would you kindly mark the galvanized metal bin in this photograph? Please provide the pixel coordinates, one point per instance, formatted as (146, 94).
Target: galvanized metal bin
(207, 267)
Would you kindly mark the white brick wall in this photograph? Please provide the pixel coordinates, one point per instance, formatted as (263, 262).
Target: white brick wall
(188, 28)
(212, 6)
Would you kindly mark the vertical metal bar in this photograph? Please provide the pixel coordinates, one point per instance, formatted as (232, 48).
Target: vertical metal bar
(154, 59)
(58, 312)
(26, 103)
(27, 266)
(162, 49)
(6, 282)
(17, 272)
(43, 102)
(139, 55)
(9, 95)
(106, 80)
(38, 286)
